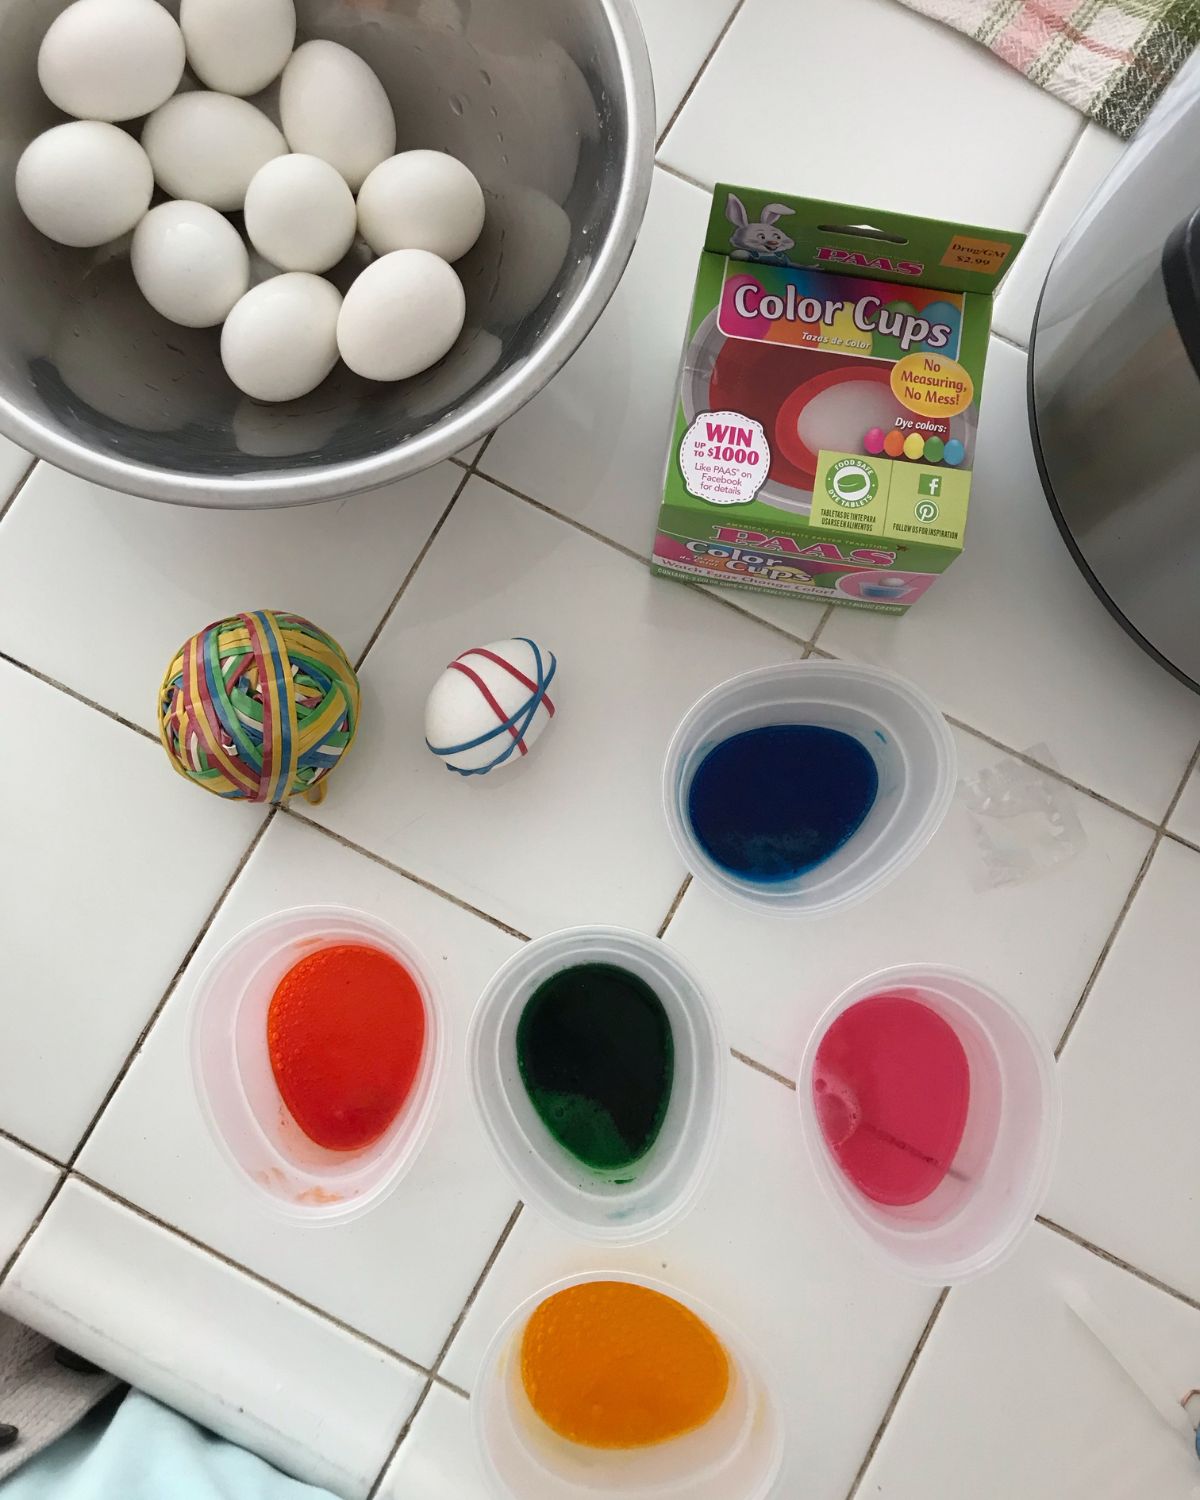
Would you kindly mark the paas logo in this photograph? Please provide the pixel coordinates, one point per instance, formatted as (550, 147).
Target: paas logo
(870, 262)
(852, 483)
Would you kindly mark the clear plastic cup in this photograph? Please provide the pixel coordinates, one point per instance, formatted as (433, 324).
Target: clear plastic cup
(988, 1199)
(908, 739)
(639, 1201)
(736, 1455)
(235, 1086)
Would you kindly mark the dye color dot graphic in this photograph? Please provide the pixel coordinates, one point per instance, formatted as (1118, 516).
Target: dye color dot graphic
(771, 803)
(893, 444)
(873, 442)
(955, 453)
(891, 1088)
(914, 446)
(934, 449)
(611, 1364)
(345, 1034)
(596, 1056)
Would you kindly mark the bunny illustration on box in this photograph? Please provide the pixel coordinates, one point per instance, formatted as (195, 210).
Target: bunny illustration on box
(764, 241)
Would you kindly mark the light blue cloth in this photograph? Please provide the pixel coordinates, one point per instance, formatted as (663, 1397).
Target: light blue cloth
(143, 1451)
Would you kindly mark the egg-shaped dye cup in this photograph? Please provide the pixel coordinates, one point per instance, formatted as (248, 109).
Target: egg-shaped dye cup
(235, 1084)
(736, 1455)
(993, 1182)
(907, 738)
(640, 1200)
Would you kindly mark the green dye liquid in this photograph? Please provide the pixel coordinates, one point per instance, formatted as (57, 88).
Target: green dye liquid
(596, 1056)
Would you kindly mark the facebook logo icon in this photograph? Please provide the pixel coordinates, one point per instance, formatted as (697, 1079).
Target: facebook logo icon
(929, 484)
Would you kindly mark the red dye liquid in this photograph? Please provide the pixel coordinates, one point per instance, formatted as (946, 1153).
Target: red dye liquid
(891, 1087)
(345, 1033)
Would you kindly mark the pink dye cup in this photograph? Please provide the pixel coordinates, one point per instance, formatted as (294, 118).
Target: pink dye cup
(980, 1171)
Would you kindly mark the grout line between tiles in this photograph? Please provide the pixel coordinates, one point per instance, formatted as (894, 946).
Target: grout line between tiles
(674, 907)
(426, 885)
(483, 448)
(1052, 186)
(597, 536)
(29, 1233)
(144, 1034)
(1040, 765)
(699, 74)
(753, 1062)
(725, 598)
(243, 1270)
(1181, 788)
(1159, 835)
(714, 595)
(1036, 218)
(51, 1161)
(1122, 1265)
(899, 1391)
(400, 1436)
(1178, 838)
(417, 561)
(1106, 949)
(821, 624)
(434, 1377)
(683, 176)
(53, 682)
(7, 504)
(477, 1288)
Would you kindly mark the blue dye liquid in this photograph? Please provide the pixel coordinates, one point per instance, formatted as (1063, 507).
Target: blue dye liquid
(771, 803)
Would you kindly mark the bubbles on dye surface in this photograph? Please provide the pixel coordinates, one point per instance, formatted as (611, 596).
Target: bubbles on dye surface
(615, 1365)
(596, 1056)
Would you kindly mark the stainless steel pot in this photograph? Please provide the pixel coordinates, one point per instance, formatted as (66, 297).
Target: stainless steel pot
(550, 102)
(1114, 385)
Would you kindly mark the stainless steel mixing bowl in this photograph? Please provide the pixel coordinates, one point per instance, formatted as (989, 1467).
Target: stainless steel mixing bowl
(549, 102)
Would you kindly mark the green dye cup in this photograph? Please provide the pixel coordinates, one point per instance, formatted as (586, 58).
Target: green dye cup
(642, 1199)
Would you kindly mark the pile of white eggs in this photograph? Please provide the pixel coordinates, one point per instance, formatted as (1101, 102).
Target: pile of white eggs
(305, 190)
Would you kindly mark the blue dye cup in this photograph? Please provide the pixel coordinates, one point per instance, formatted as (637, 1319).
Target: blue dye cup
(908, 739)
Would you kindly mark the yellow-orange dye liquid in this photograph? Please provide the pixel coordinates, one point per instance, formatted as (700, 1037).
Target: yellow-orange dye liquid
(615, 1365)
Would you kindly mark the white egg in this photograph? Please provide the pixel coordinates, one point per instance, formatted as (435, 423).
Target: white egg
(300, 213)
(190, 263)
(280, 340)
(518, 257)
(84, 183)
(206, 147)
(111, 59)
(421, 200)
(333, 106)
(401, 315)
(238, 46)
(490, 705)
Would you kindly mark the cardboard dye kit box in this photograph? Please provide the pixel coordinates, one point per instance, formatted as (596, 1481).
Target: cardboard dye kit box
(828, 399)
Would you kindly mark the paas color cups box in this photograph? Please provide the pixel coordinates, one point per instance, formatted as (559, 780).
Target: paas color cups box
(828, 399)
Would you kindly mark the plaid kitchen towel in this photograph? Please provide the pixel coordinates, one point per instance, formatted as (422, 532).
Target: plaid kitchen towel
(1110, 59)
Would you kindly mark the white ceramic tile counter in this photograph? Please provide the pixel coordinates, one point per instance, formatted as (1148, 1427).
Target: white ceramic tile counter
(349, 1355)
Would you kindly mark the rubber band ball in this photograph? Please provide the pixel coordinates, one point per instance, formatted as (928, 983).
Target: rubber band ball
(260, 707)
(490, 705)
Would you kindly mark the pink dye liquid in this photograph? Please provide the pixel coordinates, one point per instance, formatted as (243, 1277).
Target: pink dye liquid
(891, 1087)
